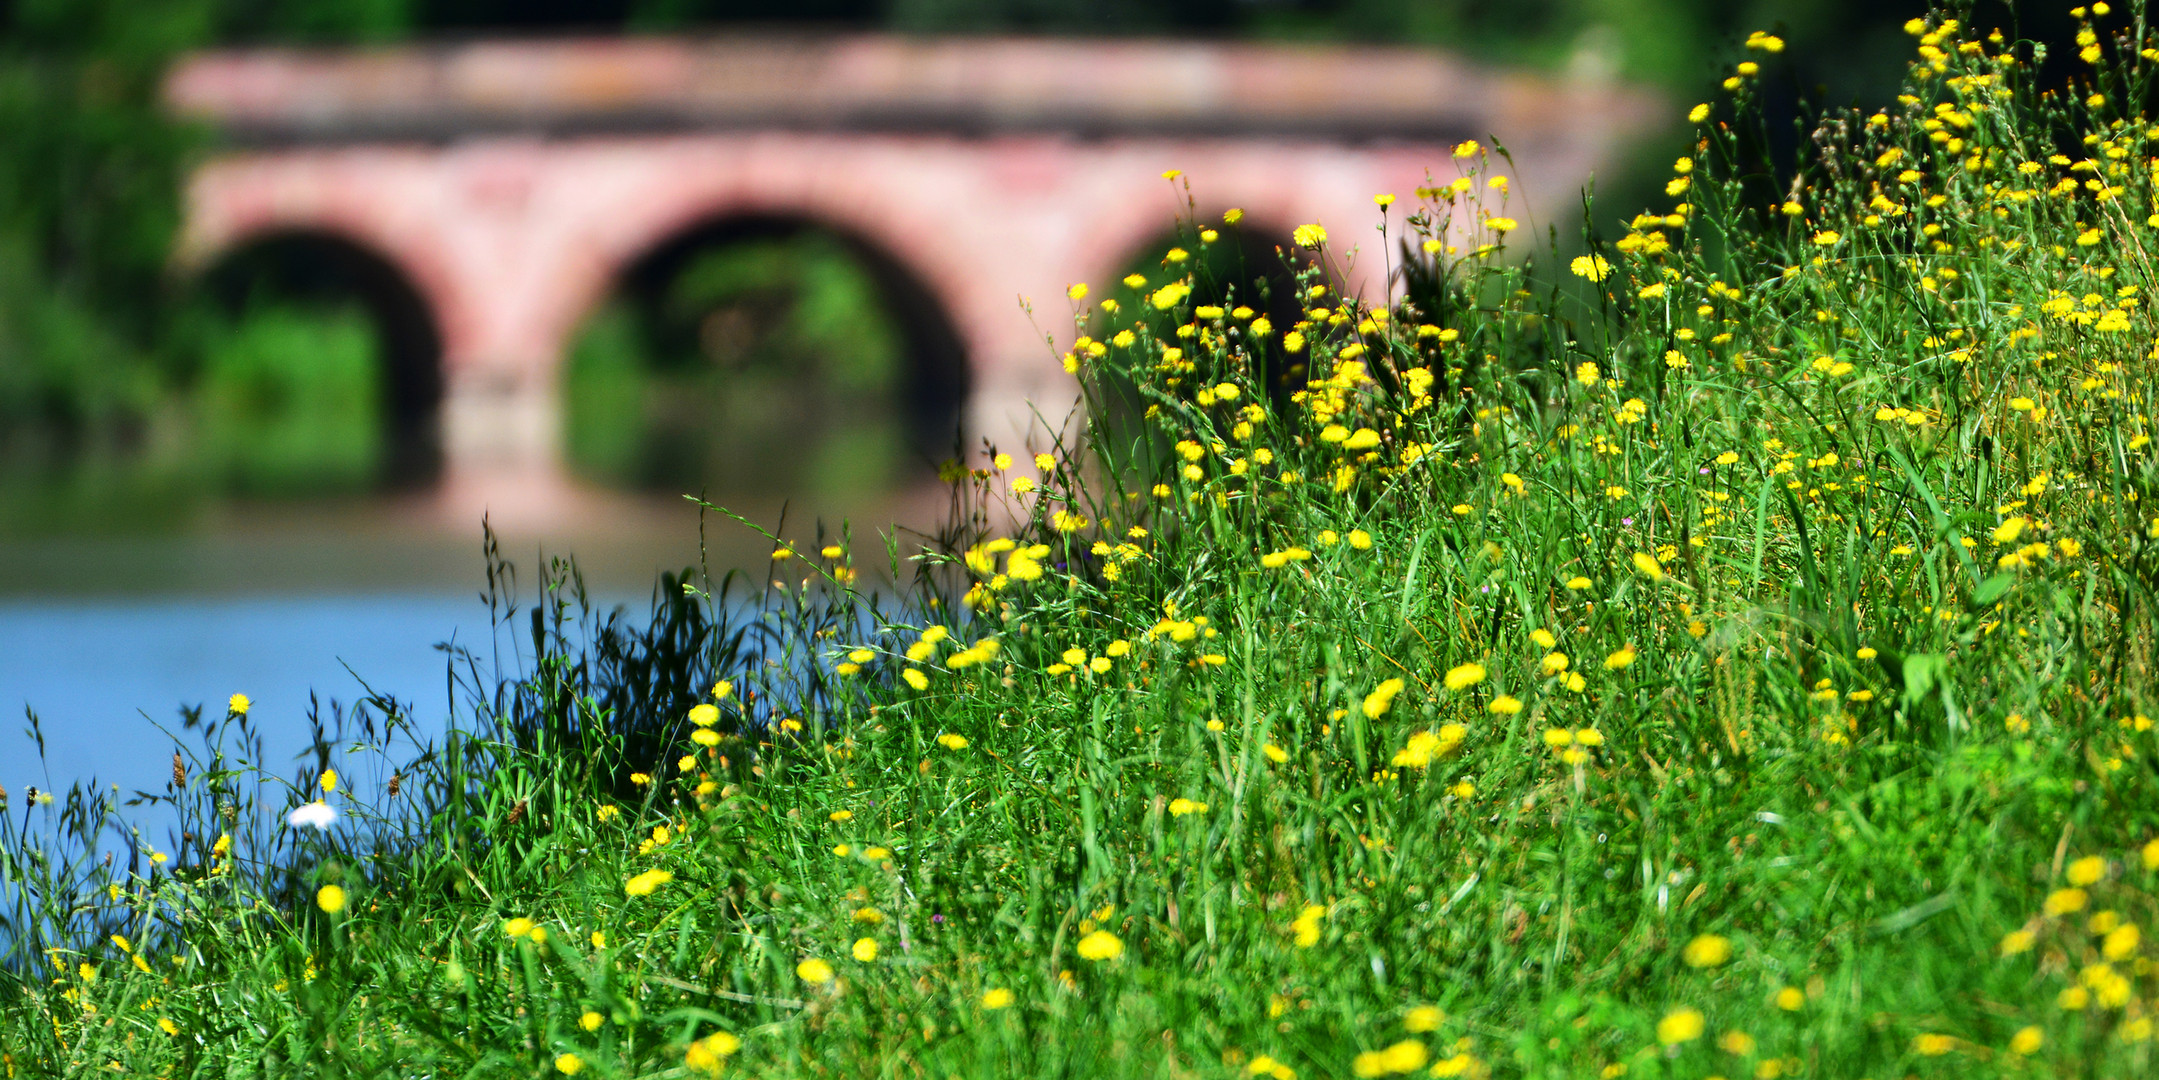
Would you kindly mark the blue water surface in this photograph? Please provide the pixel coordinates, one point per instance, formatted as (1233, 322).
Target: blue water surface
(103, 675)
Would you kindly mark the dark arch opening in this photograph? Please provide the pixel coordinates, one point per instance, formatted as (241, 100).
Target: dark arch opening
(744, 330)
(376, 350)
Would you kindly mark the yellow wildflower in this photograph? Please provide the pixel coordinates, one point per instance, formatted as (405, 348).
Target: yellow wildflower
(1592, 267)
(1680, 1025)
(1707, 950)
(1381, 698)
(1306, 925)
(2087, 870)
(708, 1054)
(643, 884)
(1101, 945)
(1464, 676)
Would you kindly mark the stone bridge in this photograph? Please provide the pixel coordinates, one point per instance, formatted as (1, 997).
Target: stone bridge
(508, 186)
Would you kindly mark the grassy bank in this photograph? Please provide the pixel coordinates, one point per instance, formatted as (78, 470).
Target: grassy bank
(1727, 653)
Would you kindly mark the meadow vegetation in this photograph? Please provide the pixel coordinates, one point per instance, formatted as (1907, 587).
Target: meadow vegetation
(1724, 653)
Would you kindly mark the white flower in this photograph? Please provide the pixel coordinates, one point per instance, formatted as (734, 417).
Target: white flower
(318, 814)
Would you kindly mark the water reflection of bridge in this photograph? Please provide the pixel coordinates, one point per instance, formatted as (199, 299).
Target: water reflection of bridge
(495, 192)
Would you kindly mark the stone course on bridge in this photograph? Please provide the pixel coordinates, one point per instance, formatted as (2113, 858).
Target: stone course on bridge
(513, 183)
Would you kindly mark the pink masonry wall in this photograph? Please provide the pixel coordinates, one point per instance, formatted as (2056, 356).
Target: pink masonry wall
(515, 238)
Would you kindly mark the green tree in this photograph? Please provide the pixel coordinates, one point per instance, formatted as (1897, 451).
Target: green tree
(89, 181)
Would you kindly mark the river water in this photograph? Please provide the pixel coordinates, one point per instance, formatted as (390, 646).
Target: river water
(107, 637)
(103, 675)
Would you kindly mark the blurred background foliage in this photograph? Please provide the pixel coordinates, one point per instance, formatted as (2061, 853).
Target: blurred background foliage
(110, 367)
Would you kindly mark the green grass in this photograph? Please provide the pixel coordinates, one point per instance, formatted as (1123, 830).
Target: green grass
(1271, 768)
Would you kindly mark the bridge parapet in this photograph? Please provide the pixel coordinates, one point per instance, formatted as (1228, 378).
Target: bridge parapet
(514, 182)
(883, 83)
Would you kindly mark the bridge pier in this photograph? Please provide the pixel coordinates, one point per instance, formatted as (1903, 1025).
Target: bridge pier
(500, 428)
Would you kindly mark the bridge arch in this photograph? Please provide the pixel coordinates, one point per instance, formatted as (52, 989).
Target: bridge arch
(279, 271)
(938, 377)
(826, 325)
